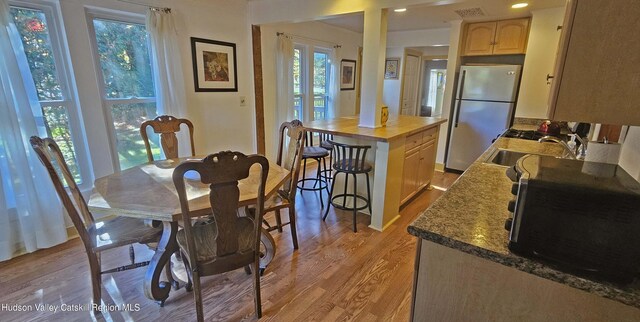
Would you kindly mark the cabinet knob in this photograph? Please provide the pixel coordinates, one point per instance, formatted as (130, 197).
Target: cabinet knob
(549, 77)
(558, 28)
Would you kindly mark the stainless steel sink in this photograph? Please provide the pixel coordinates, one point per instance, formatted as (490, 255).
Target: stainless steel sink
(507, 158)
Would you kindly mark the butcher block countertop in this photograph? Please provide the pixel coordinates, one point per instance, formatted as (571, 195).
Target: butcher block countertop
(397, 126)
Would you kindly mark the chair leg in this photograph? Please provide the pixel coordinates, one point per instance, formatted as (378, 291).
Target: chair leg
(369, 194)
(132, 254)
(333, 182)
(256, 287)
(318, 178)
(292, 225)
(355, 201)
(278, 220)
(189, 286)
(346, 184)
(96, 279)
(197, 294)
(304, 173)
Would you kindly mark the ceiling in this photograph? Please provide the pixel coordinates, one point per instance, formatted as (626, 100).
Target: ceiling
(438, 16)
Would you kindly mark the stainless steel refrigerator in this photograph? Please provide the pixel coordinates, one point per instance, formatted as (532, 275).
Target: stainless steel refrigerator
(484, 105)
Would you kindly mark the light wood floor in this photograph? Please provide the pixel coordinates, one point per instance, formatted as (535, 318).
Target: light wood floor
(336, 275)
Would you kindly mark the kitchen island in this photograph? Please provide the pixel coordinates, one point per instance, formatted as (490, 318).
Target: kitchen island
(465, 271)
(391, 184)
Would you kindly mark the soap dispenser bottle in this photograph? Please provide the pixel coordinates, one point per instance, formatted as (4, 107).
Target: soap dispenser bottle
(572, 142)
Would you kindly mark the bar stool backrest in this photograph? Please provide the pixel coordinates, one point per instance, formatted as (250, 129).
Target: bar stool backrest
(349, 158)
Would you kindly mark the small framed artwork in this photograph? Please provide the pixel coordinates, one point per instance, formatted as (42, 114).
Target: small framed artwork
(391, 67)
(214, 65)
(347, 74)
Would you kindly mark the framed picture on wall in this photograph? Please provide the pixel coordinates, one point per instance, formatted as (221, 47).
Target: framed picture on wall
(214, 65)
(391, 67)
(347, 74)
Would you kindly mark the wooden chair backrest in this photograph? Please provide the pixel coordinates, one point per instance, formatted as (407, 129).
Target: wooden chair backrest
(166, 126)
(222, 171)
(51, 157)
(292, 134)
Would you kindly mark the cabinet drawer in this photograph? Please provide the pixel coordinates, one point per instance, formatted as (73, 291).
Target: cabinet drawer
(413, 141)
(429, 135)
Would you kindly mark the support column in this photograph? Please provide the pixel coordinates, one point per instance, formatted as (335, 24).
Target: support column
(373, 56)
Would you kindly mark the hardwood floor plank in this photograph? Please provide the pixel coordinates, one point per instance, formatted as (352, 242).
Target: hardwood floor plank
(335, 275)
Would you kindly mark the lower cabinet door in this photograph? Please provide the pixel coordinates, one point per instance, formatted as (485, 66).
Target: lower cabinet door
(427, 163)
(409, 179)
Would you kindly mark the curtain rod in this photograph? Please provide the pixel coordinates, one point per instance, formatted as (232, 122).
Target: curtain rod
(165, 10)
(307, 38)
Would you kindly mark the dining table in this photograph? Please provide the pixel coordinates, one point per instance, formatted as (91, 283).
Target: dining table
(147, 192)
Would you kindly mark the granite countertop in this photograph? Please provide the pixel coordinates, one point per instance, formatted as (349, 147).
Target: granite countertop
(470, 217)
(397, 126)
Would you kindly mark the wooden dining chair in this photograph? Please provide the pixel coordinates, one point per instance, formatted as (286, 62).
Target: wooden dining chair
(224, 241)
(289, 157)
(96, 236)
(166, 126)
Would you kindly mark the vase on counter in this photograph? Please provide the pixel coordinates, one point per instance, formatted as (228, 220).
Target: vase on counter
(384, 115)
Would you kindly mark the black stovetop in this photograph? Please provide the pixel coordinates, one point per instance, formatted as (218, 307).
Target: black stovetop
(523, 134)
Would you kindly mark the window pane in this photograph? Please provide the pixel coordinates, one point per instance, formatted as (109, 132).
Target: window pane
(320, 80)
(297, 80)
(34, 33)
(57, 124)
(320, 84)
(126, 120)
(124, 59)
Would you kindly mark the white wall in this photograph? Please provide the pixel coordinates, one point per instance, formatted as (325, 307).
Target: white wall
(220, 123)
(391, 87)
(418, 38)
(539, 61)
(397, 41)
(313, 33)
(630, 153)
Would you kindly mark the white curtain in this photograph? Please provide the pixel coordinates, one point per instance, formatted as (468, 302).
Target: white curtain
(284, 81)
(168, 78)
(31, 214)
(334, 84)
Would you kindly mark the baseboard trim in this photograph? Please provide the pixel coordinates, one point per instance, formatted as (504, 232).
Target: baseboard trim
(440, 167)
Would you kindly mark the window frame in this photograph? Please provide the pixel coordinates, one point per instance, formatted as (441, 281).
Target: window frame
(307, 52)
(107, 103)
(62, 61)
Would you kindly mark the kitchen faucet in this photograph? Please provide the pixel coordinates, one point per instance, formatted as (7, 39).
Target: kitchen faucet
(582, 152)
(549, 138)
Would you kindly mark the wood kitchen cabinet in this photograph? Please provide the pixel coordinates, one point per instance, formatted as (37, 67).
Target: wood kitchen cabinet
(504, 37)
(419, 162)
(597, 71)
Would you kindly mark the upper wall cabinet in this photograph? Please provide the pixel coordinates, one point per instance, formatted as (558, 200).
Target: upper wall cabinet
(597, 72)
(503, 37)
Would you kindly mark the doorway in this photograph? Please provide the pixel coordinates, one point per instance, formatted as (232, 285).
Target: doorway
(434, 78)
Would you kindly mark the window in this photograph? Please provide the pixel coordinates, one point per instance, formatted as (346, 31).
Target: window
(57, 117)
(311, 74)
(128, 94)
(321, 71)
(298, 87)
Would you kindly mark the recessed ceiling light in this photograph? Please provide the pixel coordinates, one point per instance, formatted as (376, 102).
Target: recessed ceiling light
(519, 5)
(400, 10)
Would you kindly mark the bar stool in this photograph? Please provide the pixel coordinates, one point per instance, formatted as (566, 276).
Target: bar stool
(350, 160)
(319, 154)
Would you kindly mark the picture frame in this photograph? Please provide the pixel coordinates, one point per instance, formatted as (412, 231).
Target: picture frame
(214, 65)
(391, 68)
(347, 74)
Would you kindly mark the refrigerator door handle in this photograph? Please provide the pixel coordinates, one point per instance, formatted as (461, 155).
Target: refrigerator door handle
(461, 90)
(455, 124)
